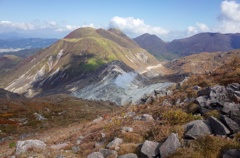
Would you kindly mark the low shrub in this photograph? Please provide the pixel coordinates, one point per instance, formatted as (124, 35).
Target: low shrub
(177, 117)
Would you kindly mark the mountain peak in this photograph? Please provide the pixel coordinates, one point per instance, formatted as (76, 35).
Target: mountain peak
(82, 32)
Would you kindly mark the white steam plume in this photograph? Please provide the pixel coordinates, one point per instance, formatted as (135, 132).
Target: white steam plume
(124, 80)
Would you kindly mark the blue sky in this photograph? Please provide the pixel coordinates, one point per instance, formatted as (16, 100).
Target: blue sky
(168, 19)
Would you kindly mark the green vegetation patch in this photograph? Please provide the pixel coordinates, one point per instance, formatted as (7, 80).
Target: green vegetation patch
(93, 64)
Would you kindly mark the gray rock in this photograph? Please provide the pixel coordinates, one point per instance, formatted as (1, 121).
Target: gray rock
(170, 145)
(149, 100)
(75, 149)
(212, 98)
(115, 143)
(218, 127)
(150, 148)
(127, 129)
(131, 155)
(231, 153)
(197, 128)
(233, 126)
(202, 102)
(129, 114)
(204, 91)
(95, 155)
(234, 91)
(231, 108)
(166, 103)
(23, 146)
(108, 153)
(147, 117)
(144, 117)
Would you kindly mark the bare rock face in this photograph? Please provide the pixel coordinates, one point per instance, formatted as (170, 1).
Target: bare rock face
(170, 145)
(23, 146)
(232, 125)
(150, 148)
(218, 127)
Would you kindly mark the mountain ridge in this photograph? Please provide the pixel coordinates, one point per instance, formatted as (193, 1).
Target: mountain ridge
(202, 42)
(76, 55)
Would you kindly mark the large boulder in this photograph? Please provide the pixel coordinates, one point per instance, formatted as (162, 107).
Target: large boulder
(23, 146)
(197, 128)
(95, 155)
(232, 125)
(231, 153)
(218, 127)
(231, 108)
(150, 148)
(170, 145)
(131, 155)
(108, 153)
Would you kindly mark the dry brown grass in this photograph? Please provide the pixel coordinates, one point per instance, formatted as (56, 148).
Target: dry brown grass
(128, 148)
(132, 137)
(209, 146)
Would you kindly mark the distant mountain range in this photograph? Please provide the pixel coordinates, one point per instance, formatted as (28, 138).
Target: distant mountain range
(25, 43)
(203, 42)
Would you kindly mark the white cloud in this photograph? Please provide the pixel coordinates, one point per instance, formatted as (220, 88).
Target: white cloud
(199, 27)
(52, 23)
(134, 26)
(73, 27)
(22, 26)
(230, 10)
(89, 25)
(192, 30)
(230, 17)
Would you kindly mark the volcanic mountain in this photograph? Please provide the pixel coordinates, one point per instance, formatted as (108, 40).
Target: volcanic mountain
(203, 42)
(71, 63)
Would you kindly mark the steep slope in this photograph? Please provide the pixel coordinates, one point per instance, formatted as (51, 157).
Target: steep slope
(203, 42)
(80, 53)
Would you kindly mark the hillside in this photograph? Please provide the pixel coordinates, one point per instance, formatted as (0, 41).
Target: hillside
(197, 118)
(203, 42)
(8, 63)
(75, 57)
(155, 46)
(201, 63)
